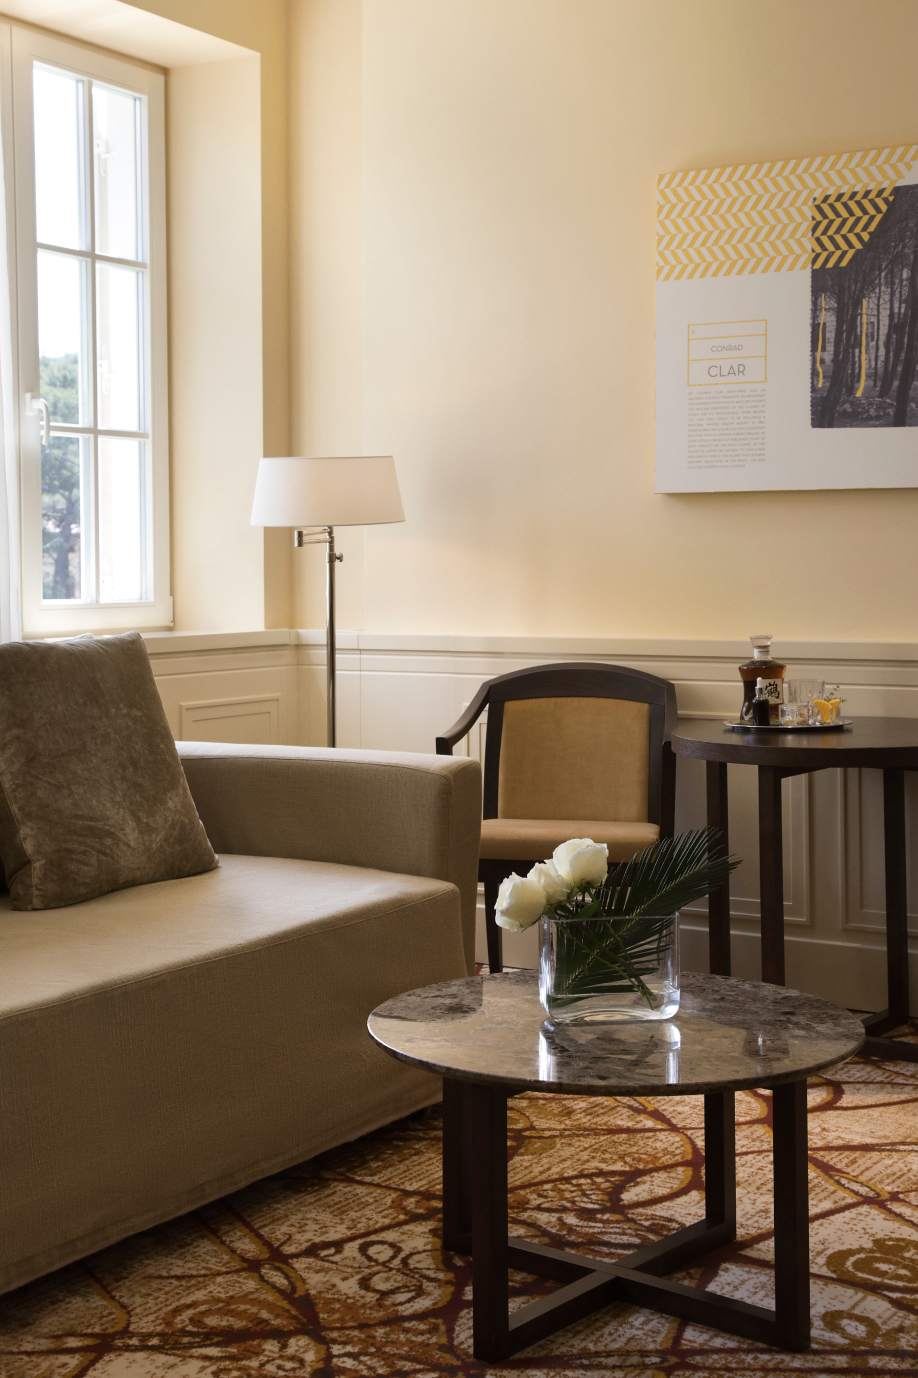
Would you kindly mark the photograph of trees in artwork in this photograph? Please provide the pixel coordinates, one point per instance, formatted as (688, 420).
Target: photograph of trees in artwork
(864, 326)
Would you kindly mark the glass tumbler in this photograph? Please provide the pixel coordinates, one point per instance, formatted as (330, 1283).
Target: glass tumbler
(796, 710)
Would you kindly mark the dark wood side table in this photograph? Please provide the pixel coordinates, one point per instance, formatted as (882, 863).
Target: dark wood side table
(887, 744)
(487, 1037)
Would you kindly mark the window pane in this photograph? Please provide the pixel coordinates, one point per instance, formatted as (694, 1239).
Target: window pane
(62, 328)
(116, 129)
(60, 190)
(118, 347)
(121, 515)
(62, 482)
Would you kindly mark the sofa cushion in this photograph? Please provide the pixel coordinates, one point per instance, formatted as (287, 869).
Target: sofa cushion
(151, 930)
(92, 793)
(163, 1045)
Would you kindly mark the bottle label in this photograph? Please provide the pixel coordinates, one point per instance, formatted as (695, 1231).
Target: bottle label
(772, 689)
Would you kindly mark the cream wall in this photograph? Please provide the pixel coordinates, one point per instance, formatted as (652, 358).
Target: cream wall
(326, 278)
(227, 125)
(215, 355)
(498, 163)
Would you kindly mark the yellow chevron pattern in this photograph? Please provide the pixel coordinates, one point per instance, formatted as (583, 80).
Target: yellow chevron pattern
(775, 217)
(842, 223)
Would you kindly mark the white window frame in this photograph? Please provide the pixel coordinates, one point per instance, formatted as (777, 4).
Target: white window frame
(47, 617)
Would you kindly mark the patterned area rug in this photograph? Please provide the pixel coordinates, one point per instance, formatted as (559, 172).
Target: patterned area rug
(333, 1270)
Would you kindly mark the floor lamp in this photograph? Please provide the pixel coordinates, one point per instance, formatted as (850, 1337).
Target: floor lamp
(313, 496)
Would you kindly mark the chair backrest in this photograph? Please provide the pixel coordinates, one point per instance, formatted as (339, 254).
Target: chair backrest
(580, 741)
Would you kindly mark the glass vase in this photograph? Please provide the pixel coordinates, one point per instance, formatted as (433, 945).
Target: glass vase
(609, 968)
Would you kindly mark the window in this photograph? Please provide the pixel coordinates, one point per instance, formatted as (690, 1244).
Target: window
(89, 193)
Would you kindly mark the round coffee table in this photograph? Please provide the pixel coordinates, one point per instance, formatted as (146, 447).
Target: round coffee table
(487, 1037)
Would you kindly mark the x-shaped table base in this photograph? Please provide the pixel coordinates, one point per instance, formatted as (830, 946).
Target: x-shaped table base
(475, 1221)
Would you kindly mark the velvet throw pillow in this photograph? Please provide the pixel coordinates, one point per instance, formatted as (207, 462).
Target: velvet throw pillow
(93, 797)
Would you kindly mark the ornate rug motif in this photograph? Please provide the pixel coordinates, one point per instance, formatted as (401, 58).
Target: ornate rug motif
(333, 1270)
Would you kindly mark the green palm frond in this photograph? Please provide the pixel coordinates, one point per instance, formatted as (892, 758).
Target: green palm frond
(664, 877)
(593, 957)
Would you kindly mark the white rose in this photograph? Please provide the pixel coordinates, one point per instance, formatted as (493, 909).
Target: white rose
(520, 901)
(581, 861)
(551, 880)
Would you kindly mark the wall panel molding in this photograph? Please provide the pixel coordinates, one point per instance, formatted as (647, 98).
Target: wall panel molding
(229, 686)
(249, 718)
(863, 826)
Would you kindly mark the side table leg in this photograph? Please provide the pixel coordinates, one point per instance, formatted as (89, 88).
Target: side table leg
(719, 899)
(898, 1000)
(771, 875)
(792, 1225)
(720, 1159)
(486, 1119)
(896, 902)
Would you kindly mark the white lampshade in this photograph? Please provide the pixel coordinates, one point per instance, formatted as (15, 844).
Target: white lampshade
(353, 490)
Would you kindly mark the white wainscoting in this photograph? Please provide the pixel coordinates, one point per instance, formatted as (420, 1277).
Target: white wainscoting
(398, 692)
(227, 687)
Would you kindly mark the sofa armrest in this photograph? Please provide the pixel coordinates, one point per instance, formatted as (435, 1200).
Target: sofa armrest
(419, 815)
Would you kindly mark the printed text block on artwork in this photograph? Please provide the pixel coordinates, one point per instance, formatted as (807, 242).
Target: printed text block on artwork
(726, 352)
(787, 324)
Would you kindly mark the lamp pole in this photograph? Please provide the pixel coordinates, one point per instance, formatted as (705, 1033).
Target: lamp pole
(325, 535)
(333, 558)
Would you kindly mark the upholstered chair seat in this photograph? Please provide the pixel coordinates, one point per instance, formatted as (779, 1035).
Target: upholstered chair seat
(570, 751)
(522, 839)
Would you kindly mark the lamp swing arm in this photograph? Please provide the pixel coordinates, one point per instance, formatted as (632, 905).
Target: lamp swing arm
(316, 535)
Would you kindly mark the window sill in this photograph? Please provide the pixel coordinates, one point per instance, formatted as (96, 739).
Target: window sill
(188, 643)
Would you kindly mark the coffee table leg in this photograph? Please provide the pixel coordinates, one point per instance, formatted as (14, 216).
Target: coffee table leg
(457, 1214)
(720, 1159)
(792, 1226)
(719, 899)
(771, 875)
(485, 1110)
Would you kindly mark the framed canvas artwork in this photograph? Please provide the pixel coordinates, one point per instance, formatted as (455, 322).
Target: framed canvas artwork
(787, 324)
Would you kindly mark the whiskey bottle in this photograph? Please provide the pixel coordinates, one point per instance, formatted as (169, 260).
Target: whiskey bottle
(762, 666)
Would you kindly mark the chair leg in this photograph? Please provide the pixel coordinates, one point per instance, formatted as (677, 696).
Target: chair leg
(492, 932)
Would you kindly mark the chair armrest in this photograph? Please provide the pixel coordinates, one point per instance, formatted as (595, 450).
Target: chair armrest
(465, 723)
(418, 815)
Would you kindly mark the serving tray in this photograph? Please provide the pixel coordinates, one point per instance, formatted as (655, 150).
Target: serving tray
(791, 727)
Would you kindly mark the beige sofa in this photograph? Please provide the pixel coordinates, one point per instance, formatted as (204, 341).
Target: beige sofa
(166, 1044)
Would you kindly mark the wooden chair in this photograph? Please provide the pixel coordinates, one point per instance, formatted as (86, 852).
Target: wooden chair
(574, 750)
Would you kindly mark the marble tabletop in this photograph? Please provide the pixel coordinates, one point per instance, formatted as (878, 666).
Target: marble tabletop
(728, 1035)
